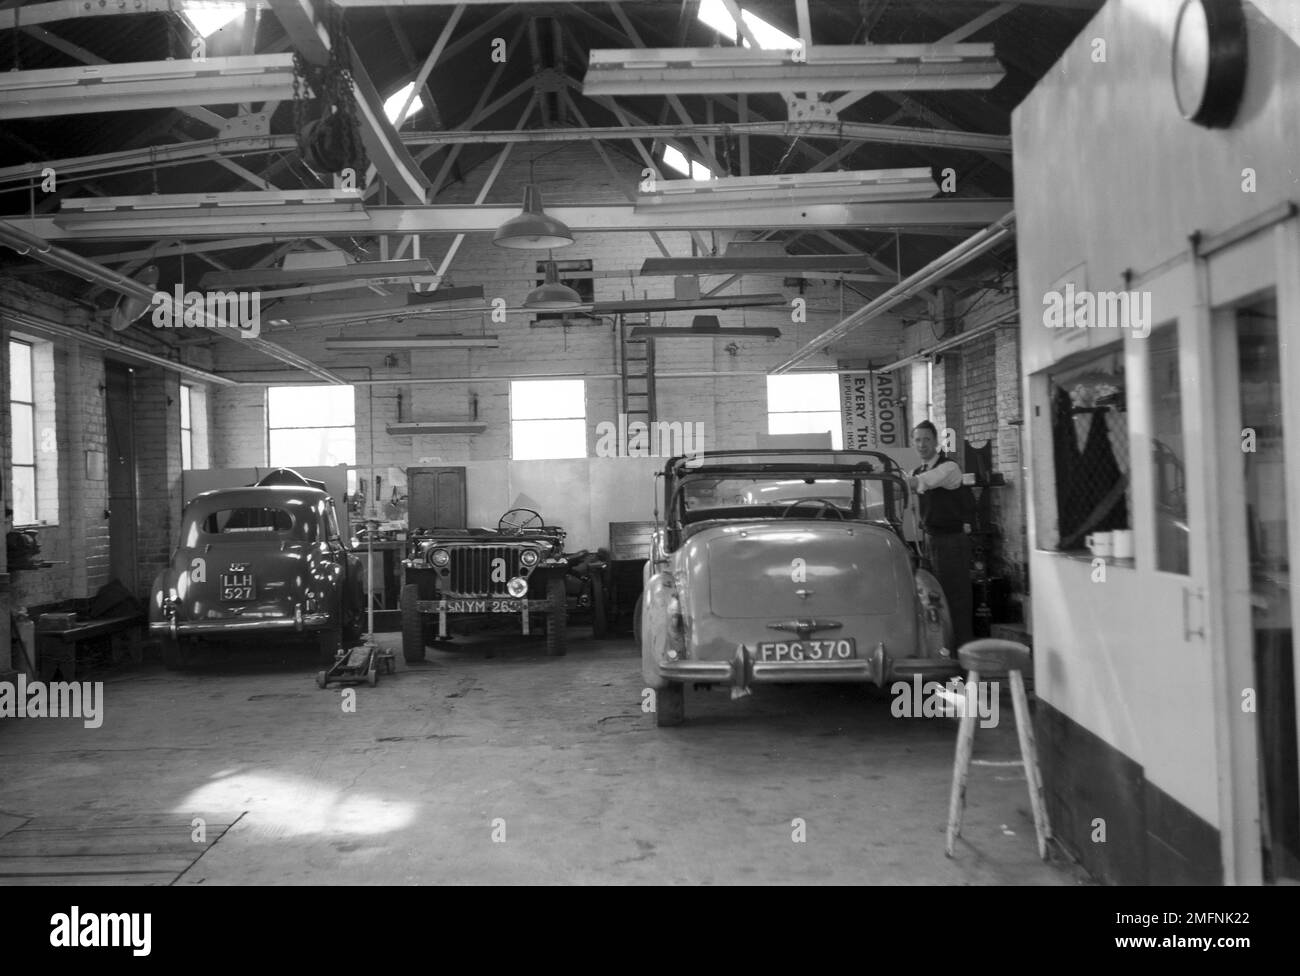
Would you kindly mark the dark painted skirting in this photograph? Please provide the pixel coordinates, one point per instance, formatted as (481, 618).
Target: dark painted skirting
(1150, 838)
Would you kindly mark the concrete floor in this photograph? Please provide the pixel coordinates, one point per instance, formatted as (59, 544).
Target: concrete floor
(552, 755)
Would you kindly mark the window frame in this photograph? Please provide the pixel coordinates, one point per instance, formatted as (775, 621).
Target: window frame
(33, 465)
(516, 422)
(832, 379)
(271, 427)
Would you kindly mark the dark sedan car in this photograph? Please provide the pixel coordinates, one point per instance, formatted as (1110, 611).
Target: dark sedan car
(261, 561)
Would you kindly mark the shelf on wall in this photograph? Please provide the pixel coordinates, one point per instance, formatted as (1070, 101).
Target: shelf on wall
(438, 427)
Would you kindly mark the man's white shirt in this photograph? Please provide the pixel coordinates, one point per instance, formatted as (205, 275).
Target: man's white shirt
(943, 474)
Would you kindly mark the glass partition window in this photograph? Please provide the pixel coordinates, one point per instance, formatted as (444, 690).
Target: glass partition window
(1168, 452)
(1090, 454)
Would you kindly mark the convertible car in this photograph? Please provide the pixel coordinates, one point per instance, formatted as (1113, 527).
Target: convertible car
(786, 566)
(464, 578)
(261, 561)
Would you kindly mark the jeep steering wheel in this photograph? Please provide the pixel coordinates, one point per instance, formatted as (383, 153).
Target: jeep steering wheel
(517, 520)
(826, 506)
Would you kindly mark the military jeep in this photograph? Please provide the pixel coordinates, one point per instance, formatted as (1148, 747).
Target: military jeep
(459, 580)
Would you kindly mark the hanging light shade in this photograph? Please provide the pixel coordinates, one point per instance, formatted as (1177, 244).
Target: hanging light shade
(552, 294)
(532, 229)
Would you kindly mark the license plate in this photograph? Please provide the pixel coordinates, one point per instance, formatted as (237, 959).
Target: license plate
(844, 649)
(237, 587)
(485, 606)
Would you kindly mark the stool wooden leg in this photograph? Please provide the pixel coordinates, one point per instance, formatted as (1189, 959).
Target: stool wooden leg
(1029, 754)
(960, 770)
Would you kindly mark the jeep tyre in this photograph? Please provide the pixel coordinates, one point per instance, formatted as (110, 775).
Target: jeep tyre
(557, 615)
(670, 705)
(412, 625)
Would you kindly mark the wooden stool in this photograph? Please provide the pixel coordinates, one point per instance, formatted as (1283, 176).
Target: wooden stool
(992, 657)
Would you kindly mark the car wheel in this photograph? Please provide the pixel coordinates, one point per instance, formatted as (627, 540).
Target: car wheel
(321, 679)
(636, 622)
(328, 642)
(557, 615)
(176, 652)
(412, 625)
(670, 705)
(599, 622)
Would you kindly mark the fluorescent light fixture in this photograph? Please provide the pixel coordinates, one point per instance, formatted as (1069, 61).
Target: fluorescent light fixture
(825, 67)
(675, 159)
(207, 17)
(714, 13)
(414, 342)
(855, 186)
(145, 84)
(169, 210)
(394, 102)
(362, 272)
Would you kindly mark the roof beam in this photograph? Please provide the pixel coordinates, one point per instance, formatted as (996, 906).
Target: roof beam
(401, 173)
(129, 224)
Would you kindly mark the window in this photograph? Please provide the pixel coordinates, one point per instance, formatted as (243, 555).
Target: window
(1090, 447)
(715, 14)
(1168, 477)
(675, 159)
(22, 421)
(394, 102)
(187, 429)
(575, 274)
(310, 425)
(548, 419)
(805, 403)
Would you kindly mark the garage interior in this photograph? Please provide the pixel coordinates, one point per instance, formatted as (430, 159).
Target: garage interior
(483, 257)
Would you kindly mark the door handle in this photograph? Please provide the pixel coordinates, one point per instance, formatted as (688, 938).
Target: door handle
(1188, 594)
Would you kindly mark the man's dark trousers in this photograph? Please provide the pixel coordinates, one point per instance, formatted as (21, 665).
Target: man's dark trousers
(950, 557)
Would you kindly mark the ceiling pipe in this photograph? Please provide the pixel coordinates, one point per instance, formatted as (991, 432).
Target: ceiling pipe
(938, 269)
(30, 245)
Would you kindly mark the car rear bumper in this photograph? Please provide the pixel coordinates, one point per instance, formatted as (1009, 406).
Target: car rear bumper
(216, 627)
(743, 670)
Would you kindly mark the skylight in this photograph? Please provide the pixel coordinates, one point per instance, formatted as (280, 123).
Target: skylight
(714, 13)
(394, 102)
(675, 159)
(209, 16)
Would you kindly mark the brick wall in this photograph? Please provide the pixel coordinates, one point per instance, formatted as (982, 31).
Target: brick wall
(75, 485)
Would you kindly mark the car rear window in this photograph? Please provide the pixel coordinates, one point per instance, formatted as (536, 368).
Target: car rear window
(248, 522)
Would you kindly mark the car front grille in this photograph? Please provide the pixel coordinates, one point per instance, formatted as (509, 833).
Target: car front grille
(471, 570)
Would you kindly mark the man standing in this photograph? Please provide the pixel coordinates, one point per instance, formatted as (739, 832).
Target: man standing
(945, 520)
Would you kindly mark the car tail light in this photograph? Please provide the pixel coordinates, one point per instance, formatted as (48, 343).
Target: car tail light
(675, 614)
